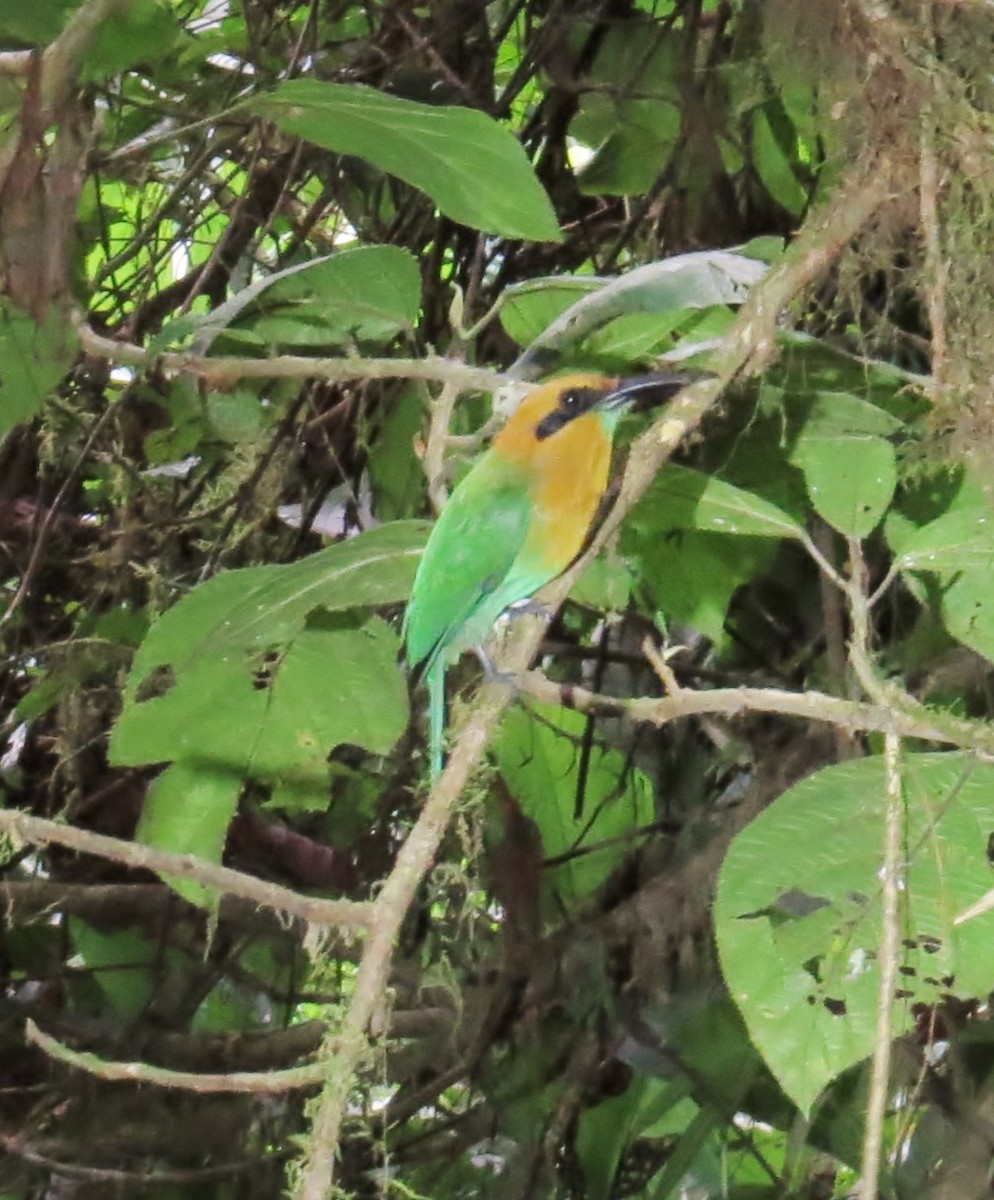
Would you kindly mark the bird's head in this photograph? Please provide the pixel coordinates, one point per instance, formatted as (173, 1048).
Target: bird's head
(598, 401)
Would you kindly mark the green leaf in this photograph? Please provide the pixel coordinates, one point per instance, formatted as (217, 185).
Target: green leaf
(35, 23)
(797, 914)
(528, 308)
(692, 575)
(538, 756)
(225, 675)
(395, 474)
(632, 156)
(119, 964)
(187, 810)
(140, 32)
(33, 360)
(681, 498)
(775, 168)
(473, 169)
(366, 294)
(701, 279)
(958, 549)
(850, 479)
(960, 540)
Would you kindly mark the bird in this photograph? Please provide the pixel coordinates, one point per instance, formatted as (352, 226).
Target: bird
(516, 521)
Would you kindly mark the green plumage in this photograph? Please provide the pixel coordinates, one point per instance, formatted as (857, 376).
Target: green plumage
(470, 572)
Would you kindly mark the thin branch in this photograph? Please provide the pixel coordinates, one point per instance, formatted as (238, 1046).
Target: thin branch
(224, 371)
(346, 914)
(936, 273)
(854, 716)
(889, 961)
(433, 464)
(267, 1082)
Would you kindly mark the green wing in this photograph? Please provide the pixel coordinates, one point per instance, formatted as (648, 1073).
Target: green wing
(468, 557)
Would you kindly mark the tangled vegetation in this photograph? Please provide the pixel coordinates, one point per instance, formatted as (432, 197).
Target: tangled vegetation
(699, 907)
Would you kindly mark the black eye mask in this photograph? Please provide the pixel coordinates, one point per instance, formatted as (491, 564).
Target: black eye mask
(574, 402)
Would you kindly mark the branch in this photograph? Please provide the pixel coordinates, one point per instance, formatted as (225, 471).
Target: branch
(348, 914)
(854, 716)
(890, 945)
(268, 1082)
(223, 372)
(748, 346)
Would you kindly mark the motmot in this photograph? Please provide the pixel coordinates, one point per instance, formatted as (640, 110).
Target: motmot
(516, 520)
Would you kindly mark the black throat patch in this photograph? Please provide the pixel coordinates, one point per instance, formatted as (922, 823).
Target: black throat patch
(573, 403)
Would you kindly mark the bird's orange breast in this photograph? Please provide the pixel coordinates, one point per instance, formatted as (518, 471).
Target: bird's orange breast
(569, 474)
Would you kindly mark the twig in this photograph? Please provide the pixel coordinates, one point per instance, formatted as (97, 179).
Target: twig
(890, 945)
(936, 271)
(438, 432)
(268, 1082)
(346, 914)
(51, 516)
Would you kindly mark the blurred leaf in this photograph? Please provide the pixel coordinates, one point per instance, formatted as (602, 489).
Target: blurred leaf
(797, 914)
(607, 1130)
(119, 965)
(775, 167)
(473, 168)
(37, 23)
(961, 540)
(701, 279)
(633, 154)
(395, 471)
(367, 294)
(527, 308)
(693, 575)
(681, 498)
(35, 358)
(237, 416)
(187, 810)
(141, 32)
(538, 756)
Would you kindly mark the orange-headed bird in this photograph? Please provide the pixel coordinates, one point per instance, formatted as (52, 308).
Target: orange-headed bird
(517, 520)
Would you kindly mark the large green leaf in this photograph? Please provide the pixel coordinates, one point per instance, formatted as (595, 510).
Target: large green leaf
(691, 575)
(265, 670)
(798, 916)
(474, 169)
(957, 548)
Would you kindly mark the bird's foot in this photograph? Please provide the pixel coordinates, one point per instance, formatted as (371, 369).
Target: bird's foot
(491, 673)
(530, 607)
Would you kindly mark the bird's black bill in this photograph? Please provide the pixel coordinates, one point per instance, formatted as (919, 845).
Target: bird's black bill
(643, 392)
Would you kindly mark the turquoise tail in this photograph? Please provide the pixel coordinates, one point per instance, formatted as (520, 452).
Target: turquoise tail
(436, 715)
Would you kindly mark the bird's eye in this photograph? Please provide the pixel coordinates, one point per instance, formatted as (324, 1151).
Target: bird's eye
(570, 399)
